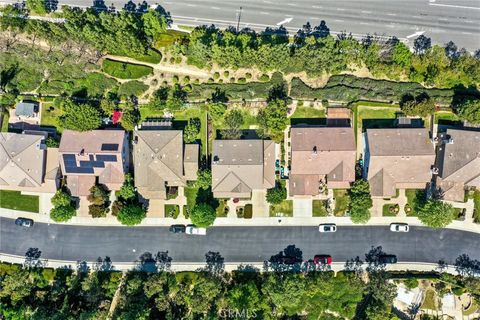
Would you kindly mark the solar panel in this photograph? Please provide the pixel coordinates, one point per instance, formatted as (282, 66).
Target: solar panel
(109, 147)
(78, 170)
(86, 164)
(106, 158)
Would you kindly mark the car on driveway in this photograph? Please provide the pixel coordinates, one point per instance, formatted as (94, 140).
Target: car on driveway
(24, 222)
(322, 259)
(177, 228)
(399, 227)
(387, 259)
(327, 227)
(193, 230)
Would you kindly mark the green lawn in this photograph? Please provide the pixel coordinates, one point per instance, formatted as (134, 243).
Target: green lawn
(308, 115)
(191, 195)
(445, 116)
(152, 56)
(386, 212)
(319, 208)
(16, 201)
(172, 211)
(51, 116)
(383, 117)
(168, 38)
(6, 117)
(123, 70)
(429, 301)
(284, 209)
(341, 202)
(476, 200)
(412, 195)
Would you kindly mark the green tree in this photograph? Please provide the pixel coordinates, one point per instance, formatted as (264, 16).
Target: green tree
(129, 119)
(276, 195)
(435, 213)
(286, 292)
(37, 6)
(360, 201)
(204, 179)
(127, 191)
(419, 106)
(61, 198)
(273, 119)
(191, 130)
(154, 23)
(245, 296)
(131, 214)
(217, 110)
(98, 195)
(80, 117)
(469, 110)
(17, 286)
(203, 215)
(62, 213)
(233, 122)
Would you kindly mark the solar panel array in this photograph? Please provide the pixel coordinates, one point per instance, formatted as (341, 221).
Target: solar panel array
(86, 166)
(109, 147)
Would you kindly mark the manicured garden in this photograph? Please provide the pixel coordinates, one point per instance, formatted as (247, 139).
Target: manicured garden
(172, 211)
(413, 197)
(16, 201)
(390, 210)
(476, 201)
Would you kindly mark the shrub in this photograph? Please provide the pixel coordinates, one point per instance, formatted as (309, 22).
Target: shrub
(178, 60)
(186, 80)
(204, 179)
(226, 73)
(248, 212)
(360, 201)
(276, 195)
(172, 60)
(242, 80)
(210, 80)
(125, 70)
(175, 79)
(203, 215)
(435, 213)
(248, 75)
(62, 214)
(232, 79)
(61, 199)
(216, 75)
(97, 211)
(264, 78)
(132, 88)
(131, 214)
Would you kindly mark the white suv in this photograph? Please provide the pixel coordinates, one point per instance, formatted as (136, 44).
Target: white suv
(193, 230)
(399, 227)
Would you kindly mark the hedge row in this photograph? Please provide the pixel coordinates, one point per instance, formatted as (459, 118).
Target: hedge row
(123, 70)
(348, 88)
(236, 91)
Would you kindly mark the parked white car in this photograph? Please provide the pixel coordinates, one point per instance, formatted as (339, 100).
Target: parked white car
(399, 227)
(327, 227)
(190, 229)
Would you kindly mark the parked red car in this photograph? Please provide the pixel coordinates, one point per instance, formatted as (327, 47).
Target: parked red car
(322, 259)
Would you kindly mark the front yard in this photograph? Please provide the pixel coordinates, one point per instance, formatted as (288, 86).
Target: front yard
(319, 208)
(342, 200)
(284, 209)
(413, 197)
(390, 210)
(16, 201)
(476, 201)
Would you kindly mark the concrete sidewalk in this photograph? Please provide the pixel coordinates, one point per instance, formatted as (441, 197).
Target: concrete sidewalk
(231, 222)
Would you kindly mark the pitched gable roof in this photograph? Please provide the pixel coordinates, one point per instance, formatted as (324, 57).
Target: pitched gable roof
(22, 160)
(240, 166)
(321, 152)
(398, 157)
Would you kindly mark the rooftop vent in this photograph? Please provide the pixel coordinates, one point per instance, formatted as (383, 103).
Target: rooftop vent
(314, 151)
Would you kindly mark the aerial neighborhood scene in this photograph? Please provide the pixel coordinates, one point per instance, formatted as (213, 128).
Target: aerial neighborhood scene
(205, 159)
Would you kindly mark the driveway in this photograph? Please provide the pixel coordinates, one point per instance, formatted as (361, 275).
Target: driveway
(302, 208)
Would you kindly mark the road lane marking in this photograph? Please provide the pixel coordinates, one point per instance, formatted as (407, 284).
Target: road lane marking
(391, 14)
(317, 7)
(418, 33)
(263, 12)
(453, 6)
(215, 8)
(365, 11)
(286, 20)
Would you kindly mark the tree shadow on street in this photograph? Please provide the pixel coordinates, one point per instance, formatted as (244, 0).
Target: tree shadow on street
(215, 263)
(290, 259)
(148, 262)
(467, 266)
(103, 264)
(32, 258)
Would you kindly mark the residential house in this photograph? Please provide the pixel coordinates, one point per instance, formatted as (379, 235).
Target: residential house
(98, 156)
(400, 158)
(242, 166)
(162, 160)
(321, 157)
(27, 109)
(26, 164)
(458, 163)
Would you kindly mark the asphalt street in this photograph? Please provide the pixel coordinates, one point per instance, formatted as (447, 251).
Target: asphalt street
(442, 20)
(235, 244)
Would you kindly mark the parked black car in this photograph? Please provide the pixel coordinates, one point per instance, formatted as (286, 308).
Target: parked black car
(177, 228)
(24, 222)
(387, 258)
